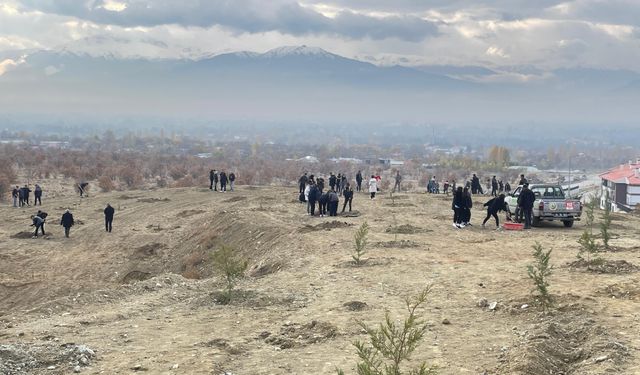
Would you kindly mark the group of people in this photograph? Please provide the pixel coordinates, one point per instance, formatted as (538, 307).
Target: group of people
(223, 179)
(462, 202)
(67, 221)
(21, 196)
(312, 191)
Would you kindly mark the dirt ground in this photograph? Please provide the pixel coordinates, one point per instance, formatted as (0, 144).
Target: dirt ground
(119, 303)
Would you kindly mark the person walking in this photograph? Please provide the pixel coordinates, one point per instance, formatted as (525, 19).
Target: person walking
(348, 197)
(494, 206)
(373, 186)
(25, 195)
(211, 178)
(359, 181)
(396, 186)
(37, 222)
(67, 222)
(526, 200)
(494, 187)
(333, 203)
(445, 187)
(232, 180)
(108, 217)
(15, 194)
(457, 205)
(37, 193)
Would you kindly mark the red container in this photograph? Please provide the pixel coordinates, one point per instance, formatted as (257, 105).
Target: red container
(513, 226)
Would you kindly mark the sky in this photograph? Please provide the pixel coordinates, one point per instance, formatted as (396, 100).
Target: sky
(524, 34)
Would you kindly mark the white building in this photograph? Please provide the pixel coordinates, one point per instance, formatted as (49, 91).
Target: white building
(622, 186)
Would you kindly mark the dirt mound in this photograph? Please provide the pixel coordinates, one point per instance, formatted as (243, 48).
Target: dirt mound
(400, 244)
(22, 235)
(406, 229)
(399, 204)
(49, 358)
(625, 290)
(324, 226)
(604, 266)
(189, 213)
(570, 343)
(135, 276)
(235, 199)
(354, 213)
(153, 200)
(355, 306)
(264, 269)
(294, 335)
(148, 250)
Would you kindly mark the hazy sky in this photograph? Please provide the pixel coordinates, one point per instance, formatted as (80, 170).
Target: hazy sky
(543, 34)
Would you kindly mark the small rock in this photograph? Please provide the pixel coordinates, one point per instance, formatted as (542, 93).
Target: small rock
(51, 368)
(175, 367)
(446, 321)
(482, 302)
(524, 306)
(83, 361)
(493, 306)
(602, 358)
(77, 369)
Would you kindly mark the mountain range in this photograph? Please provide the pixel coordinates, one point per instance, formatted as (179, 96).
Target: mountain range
(301, 82)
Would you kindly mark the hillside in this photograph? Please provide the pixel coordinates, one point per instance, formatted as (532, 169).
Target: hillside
(122, 302)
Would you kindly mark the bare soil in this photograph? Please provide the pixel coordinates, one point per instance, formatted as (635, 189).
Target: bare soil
(142, 298)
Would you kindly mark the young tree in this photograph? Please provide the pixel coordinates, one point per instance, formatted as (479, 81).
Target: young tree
(360, 243)
(587, 241)
(391, 344)
(538, 272)
(232, 266)
(605, 224)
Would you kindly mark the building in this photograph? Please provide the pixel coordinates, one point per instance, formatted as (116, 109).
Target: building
(621, 185)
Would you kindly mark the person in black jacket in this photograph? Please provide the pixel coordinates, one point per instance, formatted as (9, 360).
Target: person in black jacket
(108, 217)
(223, 181)
(468, 204)
(37, 222)
(348, 197)
(322, 203)
(332, 181)
(359, 181)
(494, 206)
(457, 205)
(314, 194)
(25, 195)
(37, 193)
(15, 194)
(67, 222)
(232, 181)
(494, 187)
(212, 174)
(526, 200)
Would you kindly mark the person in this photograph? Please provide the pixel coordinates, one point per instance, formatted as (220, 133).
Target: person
(67, 222)
(211, 178)
(37, 193)
(466, 219)
(20, 196)
(305, 194)
(359, 181)
(333, 203)
(507, 187)
(500, 186)
(15, 194)
(525, 202)
(223, 181)
(320, 184)
(302, 182)
(332, 181)
(348, 197)
(343, 183)
(108, 217)
(445, 187)
(43, 215)
(494, 187)
(523, 180)
(25, 195)
(37, 222)
(378, 181)
(373, 186)
(457, 205)
(232, 180)
(82, 188)
(494, 206)
(338, 183)
(314, 194)
(396, 186)
(322, 203)
(476, 187)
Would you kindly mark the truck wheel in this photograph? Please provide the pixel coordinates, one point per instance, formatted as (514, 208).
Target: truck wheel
(517, 216)
(568, 223)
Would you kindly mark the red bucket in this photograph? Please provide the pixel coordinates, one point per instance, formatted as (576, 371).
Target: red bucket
(513, 226)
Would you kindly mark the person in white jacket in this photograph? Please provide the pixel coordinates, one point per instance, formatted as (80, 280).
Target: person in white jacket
(373, 186)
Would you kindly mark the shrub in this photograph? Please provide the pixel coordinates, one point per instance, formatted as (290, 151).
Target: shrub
(360, 243)
(587, 241)
(106, 184)
(232, 265)
(391, 344)
(538, 272)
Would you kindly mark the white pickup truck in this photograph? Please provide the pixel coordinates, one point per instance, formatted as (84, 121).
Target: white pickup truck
(551, 204)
